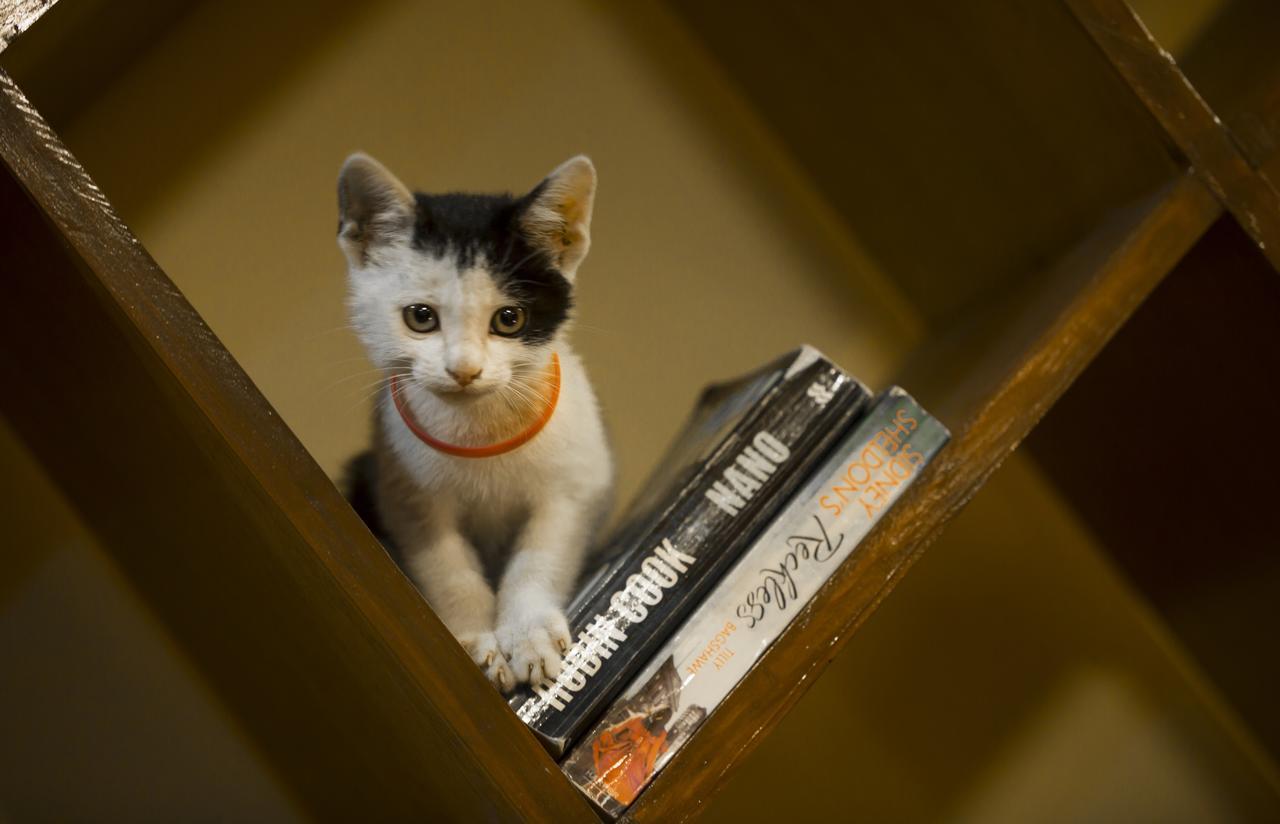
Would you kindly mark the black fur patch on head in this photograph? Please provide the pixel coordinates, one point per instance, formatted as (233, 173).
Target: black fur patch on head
(471, 228)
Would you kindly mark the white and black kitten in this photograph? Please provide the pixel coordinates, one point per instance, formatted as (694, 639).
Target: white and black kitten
(463, 300)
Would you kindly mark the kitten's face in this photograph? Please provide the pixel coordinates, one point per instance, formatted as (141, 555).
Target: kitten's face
(465, 294)
(456, 325)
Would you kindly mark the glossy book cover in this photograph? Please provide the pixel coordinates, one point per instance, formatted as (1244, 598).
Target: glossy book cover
(689, 527)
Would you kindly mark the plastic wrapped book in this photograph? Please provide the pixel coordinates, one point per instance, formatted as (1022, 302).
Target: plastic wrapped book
(750, 443)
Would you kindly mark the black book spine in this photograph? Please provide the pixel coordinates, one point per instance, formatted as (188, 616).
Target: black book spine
(748, 478)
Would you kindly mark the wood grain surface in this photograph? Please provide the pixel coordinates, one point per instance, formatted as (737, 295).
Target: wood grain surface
(1193, 127)
(16, 16)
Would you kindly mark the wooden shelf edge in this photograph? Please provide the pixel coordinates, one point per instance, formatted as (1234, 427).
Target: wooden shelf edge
(232, 532)
(16, 16)
(1116, 268)
(1185, 117)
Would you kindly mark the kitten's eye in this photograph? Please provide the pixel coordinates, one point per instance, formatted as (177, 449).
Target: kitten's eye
(508, 321)
(421, 318)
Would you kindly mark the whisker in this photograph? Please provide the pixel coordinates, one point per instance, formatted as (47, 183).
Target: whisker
(353, 376)
(524, 260)
(377, 384)
(316, 334)
(593, 329)
(506, 399)
(538, 382)
(369, 390)
(371, 369)
(368, 396)
(525, 401)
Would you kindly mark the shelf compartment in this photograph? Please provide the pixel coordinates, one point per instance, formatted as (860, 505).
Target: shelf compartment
(437, 731)
(991, 381)
(1182, 497)
(355, 691)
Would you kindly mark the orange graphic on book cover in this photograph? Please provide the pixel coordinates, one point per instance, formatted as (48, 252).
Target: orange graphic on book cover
(625, 754)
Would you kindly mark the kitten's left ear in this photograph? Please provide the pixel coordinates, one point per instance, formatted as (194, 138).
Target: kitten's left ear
(558, 217)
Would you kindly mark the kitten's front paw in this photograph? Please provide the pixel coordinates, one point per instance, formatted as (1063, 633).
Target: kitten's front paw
(484, 649)
(534, 641)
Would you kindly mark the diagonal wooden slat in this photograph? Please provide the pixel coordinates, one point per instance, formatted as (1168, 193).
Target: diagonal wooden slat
(1185, 116)
(16, 16)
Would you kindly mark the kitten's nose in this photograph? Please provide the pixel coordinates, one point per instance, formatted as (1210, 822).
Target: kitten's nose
(464, 376)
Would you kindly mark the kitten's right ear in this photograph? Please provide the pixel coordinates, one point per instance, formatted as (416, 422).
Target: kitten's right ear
(374, 207)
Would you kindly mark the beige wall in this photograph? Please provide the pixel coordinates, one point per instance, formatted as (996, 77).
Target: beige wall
(710, 252)
(1012, 671)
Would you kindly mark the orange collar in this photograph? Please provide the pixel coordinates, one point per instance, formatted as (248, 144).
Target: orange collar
(517, 440)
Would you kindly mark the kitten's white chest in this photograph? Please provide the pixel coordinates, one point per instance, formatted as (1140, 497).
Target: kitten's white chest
(491, 499)
(568, 457)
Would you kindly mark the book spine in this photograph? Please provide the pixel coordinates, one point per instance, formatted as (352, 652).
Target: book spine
(727, 402)
(756, 600)
(747, 479)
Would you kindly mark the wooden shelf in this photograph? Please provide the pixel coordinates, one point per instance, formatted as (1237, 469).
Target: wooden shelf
(1025, 180)
(991, 381)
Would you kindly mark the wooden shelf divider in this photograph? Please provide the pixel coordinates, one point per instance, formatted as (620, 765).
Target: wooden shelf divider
(16, 16)
(1185, 117)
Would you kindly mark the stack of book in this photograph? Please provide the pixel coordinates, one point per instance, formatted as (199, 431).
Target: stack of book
(773, 483)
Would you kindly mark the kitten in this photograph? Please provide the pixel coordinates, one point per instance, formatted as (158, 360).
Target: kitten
(464, 300)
